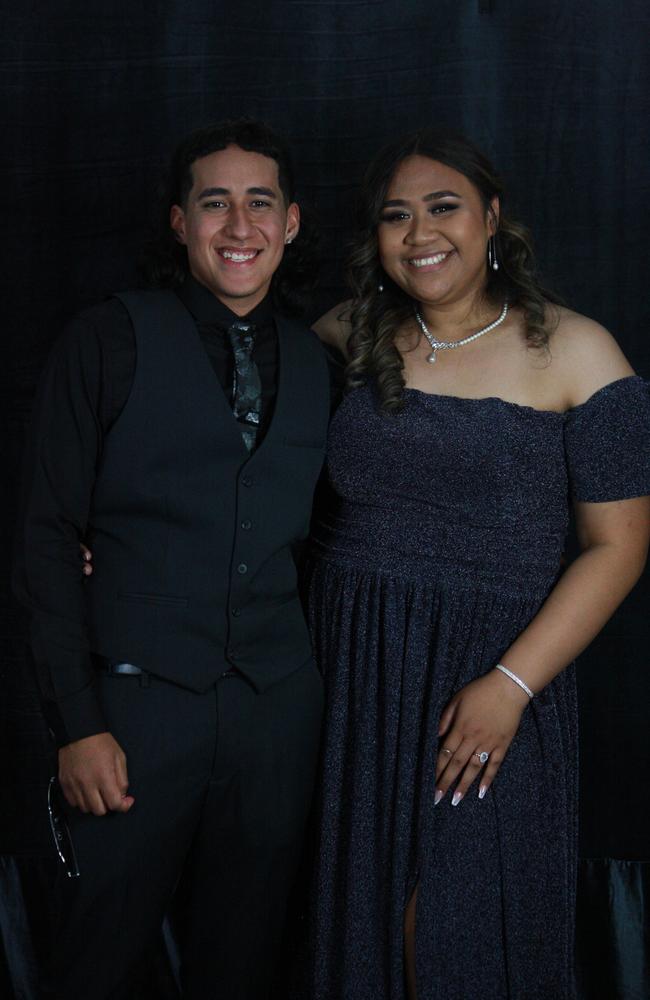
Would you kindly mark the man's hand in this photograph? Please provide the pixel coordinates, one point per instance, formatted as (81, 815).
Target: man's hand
(87, 557)
(93, 776)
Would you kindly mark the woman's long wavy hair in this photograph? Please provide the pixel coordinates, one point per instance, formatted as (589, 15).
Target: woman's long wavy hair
(376, 316)
(164, 262)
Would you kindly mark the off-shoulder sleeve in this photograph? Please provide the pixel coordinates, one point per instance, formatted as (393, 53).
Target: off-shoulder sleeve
(607, 443)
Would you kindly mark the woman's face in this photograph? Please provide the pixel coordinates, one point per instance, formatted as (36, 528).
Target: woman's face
(433, 232)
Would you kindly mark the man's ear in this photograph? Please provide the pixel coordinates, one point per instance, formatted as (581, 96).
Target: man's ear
(177, 222)
(493, 215)
(293, 223)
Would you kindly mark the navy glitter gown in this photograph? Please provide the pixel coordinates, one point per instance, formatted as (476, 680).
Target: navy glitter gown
(441, 539)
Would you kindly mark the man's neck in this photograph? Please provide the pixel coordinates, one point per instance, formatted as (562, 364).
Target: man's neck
(206, 307)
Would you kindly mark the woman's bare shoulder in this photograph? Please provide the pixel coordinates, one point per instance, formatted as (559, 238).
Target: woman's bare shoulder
(585, 355)
(334, 327)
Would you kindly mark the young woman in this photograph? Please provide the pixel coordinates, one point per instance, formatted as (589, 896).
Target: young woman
(445, 630)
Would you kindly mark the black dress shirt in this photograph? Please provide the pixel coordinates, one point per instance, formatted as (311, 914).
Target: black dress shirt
(84, 388)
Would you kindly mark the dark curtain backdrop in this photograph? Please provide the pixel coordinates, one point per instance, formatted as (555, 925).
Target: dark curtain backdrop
(95, 95)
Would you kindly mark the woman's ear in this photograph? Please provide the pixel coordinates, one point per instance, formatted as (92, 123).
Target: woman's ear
(493, 215)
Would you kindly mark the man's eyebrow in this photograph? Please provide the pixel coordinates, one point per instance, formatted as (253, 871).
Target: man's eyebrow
(427, 197)
(218, 191)
(267, 192)
(211, 192)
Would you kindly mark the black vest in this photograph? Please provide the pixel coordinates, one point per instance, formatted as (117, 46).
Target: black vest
(192, 538)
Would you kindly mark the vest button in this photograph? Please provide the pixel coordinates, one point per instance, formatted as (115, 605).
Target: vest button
(235, 612)
(246, 481)
(242, 568)
(247, 525)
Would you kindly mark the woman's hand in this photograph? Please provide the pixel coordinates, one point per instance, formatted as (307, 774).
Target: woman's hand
(482, 718)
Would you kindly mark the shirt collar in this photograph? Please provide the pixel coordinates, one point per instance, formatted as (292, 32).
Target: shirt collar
(207, 308)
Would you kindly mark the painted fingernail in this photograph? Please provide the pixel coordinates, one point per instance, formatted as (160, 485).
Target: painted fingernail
(456, 799)
(437, 796)
(482, 791)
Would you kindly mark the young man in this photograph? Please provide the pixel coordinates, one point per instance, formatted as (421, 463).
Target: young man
(181, 432)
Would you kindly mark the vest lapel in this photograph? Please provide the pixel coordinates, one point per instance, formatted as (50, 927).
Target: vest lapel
(205, 373)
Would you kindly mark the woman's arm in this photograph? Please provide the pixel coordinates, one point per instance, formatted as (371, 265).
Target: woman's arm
(614, 541)
(485, 714)
(613, 538)
(334, 327)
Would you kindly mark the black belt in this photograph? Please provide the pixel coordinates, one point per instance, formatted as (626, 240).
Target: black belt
(130, 670)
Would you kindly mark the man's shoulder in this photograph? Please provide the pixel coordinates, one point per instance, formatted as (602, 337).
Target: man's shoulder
(115, 307)
(298, 328)
(101, 316)
(94, 327)
(306, 348)
(109, 322)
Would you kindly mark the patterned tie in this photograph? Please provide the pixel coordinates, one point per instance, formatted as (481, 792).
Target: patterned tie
(246, 385)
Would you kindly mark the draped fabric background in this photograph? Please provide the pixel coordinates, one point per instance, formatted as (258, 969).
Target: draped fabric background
(94, 97)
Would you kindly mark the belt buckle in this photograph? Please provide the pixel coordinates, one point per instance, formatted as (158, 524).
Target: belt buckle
(126, 669)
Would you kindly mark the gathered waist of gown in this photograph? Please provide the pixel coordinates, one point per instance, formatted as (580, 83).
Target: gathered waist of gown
(417, 543)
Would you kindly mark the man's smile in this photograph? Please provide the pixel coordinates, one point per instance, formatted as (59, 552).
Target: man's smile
(238, 256)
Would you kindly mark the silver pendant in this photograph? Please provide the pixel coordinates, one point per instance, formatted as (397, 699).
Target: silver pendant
(444, 345)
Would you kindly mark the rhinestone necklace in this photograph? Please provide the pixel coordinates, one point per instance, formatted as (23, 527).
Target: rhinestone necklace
(449, 345)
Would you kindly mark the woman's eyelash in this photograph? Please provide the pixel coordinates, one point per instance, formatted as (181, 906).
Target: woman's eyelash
(434, 210)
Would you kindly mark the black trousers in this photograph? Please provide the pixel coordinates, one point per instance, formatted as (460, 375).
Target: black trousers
(222, 785)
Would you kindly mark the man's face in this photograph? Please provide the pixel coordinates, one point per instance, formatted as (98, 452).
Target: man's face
(235, 225)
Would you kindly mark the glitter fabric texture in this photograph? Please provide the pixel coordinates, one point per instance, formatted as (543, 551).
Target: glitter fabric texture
(441, 537)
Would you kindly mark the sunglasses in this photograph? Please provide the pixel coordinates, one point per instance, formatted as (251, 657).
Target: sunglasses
(60, 830)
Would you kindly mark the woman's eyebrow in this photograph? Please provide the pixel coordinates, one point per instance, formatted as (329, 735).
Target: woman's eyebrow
(440, 194)
(427, 197)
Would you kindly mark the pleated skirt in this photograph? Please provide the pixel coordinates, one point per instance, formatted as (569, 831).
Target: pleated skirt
(495, 877)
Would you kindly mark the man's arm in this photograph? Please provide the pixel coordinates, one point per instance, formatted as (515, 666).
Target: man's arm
(63, 449)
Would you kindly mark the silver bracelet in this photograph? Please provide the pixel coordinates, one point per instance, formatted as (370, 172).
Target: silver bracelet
(513, 677)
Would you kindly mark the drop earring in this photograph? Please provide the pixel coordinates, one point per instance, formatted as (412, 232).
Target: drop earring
(492, 254)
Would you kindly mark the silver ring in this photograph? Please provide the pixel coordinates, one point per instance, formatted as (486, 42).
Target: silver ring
(444, 750)
(483, 757)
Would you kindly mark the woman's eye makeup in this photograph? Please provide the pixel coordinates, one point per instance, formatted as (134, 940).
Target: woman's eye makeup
(401, 215)
(442, 208)
(393, 215)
